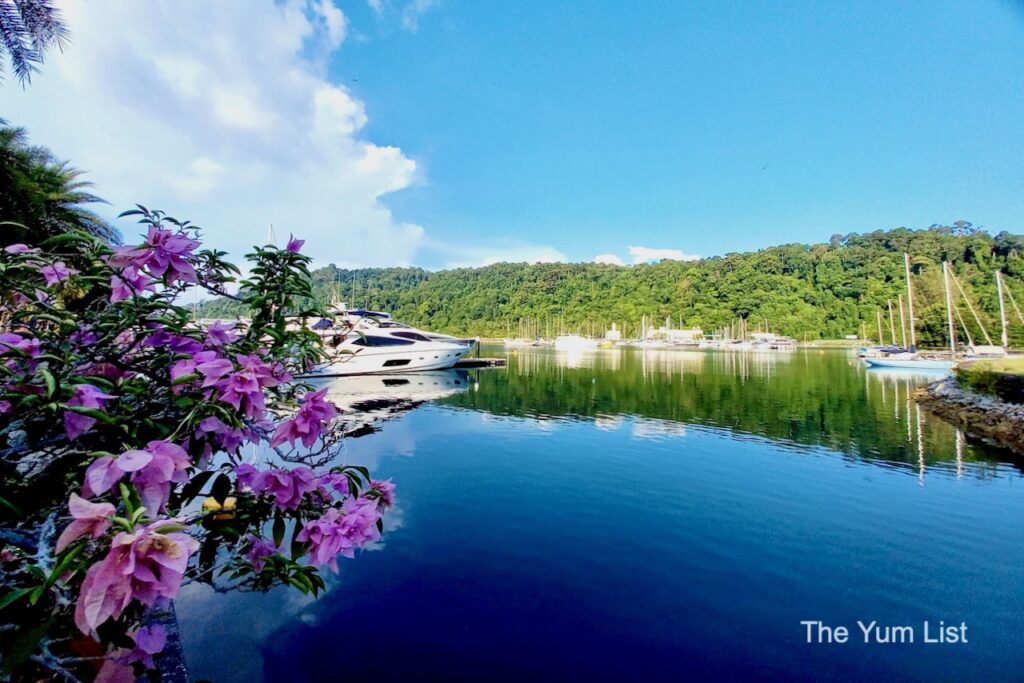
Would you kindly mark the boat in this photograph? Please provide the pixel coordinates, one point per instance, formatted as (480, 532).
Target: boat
(389, 350)
(574, 342)
(362, 342)
(519, 343)
(914, 362)
(911, 359)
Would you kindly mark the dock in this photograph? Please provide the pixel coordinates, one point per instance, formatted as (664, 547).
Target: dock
(473, 363)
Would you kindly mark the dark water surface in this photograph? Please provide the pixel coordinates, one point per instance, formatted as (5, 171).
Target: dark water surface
(642, 516)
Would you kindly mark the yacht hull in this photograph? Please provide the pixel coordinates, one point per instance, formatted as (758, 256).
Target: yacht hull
(910, 363)
(374, 361)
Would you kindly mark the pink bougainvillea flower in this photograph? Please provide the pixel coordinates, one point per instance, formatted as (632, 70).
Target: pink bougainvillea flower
(163, 338)
(128, 283)
(245, 475)
(340, 532)
(153, 471)
(57, 272)
(385, 492)
(85, 396)
(149, 642)
(286, 487)
(258, 551)
(313, 416)
(332, 483)
(88, 518)
(221, 334)
(213, 370)
(27, 345)
(144, 565)
(224, 437)
(171, 255)
(114, 671)
(294, 245)
(168, 465)
(101, 475)
(129, 257)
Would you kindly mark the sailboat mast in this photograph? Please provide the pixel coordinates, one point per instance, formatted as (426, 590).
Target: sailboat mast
(903, 322)
(881, 339)
(910, 301)
(892, 324)
(949, 307)
(1002, 310)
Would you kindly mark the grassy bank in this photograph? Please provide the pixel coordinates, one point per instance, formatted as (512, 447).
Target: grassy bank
(1002, 378)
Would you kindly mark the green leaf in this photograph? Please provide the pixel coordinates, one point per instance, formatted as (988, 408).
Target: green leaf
(195, 485)
(23, 647)
(65, 562)
(13, 596)
(51, 382)
(279, 529)
(221, 488)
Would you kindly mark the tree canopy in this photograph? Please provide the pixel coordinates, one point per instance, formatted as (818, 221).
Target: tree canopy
(819, 291)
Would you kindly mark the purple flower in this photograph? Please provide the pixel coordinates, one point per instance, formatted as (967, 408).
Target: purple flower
(243, 390)
(29, 345)
(259, 550)
(313, 415)
(286, 487)
(188, 366)
(144, 565)
(149, 641)
(84, 337)
(128, 283)
(221, 334)
(58, 272)
(333, 483)
(385, 492)
(245, 475)
(225, 438)
(88, 518)
(86, 396)
(164, 338)
(20, 249)
(294, 245)
(5, 407)
(340, 532)
(171, 255)
(213, 370)
(152, 471)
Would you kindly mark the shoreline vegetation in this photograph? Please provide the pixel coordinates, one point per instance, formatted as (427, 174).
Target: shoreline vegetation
(984, 397)
(813, 292)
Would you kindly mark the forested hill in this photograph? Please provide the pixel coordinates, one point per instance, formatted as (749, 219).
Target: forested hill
(816, 291)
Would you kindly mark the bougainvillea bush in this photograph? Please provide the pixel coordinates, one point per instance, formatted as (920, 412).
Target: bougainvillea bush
(141, 450)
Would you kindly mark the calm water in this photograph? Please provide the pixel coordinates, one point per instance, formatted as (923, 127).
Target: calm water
(637, 516)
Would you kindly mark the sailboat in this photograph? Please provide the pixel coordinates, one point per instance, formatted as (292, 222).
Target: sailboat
(912, 359)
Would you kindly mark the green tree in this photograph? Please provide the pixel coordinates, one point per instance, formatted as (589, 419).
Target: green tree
(41, 196)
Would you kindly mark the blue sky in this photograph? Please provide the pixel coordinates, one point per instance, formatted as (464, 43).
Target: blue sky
(565, 130)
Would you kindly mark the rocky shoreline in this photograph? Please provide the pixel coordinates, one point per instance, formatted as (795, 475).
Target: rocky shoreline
(977, 413)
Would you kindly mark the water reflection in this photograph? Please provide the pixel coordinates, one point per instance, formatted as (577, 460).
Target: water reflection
(366, 401)
(802, 398)
(634, 515)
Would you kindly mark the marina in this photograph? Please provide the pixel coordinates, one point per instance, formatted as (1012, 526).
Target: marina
(733, 464)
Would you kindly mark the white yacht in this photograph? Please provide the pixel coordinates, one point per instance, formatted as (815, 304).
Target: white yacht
(574, 342)
(364, 342)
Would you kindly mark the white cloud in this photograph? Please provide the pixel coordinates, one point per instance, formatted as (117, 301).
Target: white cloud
(222, 113)
(413, 11)
(610, 259)
(648, 255)
(406, 14)
(501, 251)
